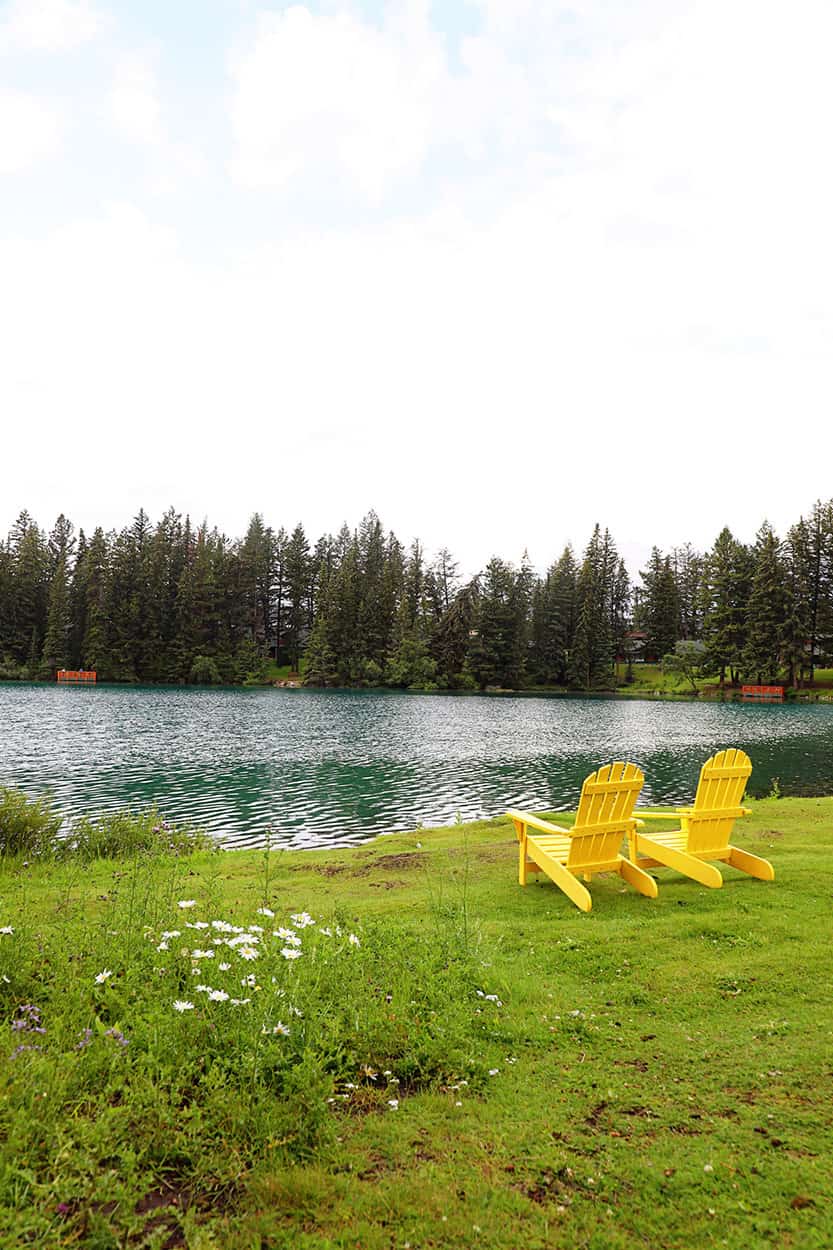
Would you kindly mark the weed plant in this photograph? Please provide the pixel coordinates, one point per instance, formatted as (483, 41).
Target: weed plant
(140, 1039)
(28, 827)
(115, 835)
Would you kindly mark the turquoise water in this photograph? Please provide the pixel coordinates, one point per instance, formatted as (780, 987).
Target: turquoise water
(335, 767)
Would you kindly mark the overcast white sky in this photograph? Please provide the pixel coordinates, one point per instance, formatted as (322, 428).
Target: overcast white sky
(496, 268)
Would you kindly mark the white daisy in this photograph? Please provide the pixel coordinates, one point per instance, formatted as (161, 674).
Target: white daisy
(247, 952)
(101, 977)
(302, 919)
(187, 902)
(280, 1027)
(218, 996)
(265, 911)
(353, 940)
(290, 954)
(183, 1005)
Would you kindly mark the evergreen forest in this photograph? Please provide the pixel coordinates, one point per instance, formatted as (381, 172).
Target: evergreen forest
(171, 602)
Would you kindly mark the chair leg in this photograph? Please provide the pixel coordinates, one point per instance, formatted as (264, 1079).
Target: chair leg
(564, 879)
(637, 878)
(522, 865)
(753, 865)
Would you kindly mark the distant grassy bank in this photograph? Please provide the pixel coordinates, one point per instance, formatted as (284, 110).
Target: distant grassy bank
(646, 681)
(441, 1059)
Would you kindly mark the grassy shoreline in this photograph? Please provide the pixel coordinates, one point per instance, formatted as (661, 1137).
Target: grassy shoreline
(656, 1073)
(649, 682)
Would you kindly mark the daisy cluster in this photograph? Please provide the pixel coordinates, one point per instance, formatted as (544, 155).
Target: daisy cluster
(222, 947)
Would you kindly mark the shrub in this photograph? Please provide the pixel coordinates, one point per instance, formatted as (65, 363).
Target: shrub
(112, 835)
(27, 826)
(10, 670)
(204, 671)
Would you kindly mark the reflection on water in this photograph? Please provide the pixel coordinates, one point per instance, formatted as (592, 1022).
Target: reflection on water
(335, 767)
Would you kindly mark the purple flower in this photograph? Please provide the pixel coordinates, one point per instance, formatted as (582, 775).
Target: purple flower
(117, 1036)
(28, 1020)
(86, 1037)
(18, 1050)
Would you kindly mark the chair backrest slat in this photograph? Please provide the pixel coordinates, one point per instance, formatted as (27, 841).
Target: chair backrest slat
(717, 803)
(605, 814)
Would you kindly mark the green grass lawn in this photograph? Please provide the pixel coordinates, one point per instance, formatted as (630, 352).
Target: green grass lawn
(650, 679)
(466, 1063)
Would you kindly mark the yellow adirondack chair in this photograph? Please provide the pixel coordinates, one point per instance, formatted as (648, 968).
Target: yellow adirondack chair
(604, 817)
(705, 828)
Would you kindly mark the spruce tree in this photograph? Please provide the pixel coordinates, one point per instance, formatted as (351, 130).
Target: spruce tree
(95, 646)
(55, 653)
(688, 574)
(28, 591)
(494, 651)
(298, 568)
(724, 596)
(659, 606)
(767, 611)
(453, 637)
(591, 656)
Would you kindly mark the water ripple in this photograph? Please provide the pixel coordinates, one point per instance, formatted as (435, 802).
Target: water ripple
(335, 767)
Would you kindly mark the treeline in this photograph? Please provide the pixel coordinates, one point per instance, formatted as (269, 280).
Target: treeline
(170, 602)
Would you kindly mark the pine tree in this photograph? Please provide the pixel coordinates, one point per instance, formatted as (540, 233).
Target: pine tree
(688, 575)
(298, 576)
(55, 653)
(725, 593)
(659, 607)
(453, 637)
(95, 646)
(797, 632)
(767, 610)
(591, 655)
(376, 602)
(494, 654)
(446, 572)
(409, 663)
(28, 593)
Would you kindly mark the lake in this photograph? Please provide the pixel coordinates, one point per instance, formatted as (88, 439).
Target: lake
(336, 767)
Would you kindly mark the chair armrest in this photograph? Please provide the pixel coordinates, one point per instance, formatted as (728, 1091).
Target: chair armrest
(535, 822)
(640, 816)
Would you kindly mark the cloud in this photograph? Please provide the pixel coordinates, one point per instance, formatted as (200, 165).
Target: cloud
(30, 130)
(494, 385)
(49, 25)
(602, 292)
(334, 98)
(134, 100)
